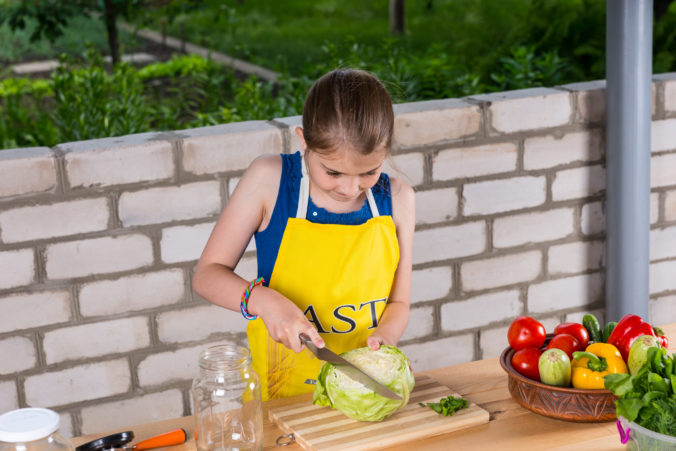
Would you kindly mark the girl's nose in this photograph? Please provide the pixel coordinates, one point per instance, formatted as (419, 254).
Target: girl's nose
(351, 186)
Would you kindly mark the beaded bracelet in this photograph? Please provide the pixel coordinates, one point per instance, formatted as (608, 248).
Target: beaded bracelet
(245, 298)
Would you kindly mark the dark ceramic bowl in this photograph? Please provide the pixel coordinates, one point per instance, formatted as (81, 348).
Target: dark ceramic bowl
(563, 403)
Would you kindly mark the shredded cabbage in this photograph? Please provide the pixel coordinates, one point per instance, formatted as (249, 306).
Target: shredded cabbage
(388, 365)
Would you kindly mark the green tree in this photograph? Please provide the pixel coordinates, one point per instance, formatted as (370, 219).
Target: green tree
(53, 16)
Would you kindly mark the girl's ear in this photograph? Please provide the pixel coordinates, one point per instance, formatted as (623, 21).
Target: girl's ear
(301, 138)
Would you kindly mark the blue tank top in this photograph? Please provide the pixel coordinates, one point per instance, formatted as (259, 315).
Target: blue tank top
(269, 240)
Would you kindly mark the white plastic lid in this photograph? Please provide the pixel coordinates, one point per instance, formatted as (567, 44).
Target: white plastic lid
(27, 425)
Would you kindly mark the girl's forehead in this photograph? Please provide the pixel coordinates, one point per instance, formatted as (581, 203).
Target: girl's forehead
(349, 160)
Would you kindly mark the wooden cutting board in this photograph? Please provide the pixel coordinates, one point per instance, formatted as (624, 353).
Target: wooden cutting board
(323, 428)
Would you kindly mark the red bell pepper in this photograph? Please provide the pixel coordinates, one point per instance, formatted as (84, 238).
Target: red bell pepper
(664, 341)
(628, 329)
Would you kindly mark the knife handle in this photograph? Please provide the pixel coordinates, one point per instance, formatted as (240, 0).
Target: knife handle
(175, 437)
(304, 338)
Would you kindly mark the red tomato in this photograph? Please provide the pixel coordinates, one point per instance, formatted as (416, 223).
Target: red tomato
(576, 330)
(525, 332)
(567, 343)
(525, 361)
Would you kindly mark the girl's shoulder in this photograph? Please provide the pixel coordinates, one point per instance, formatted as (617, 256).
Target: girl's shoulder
(403, 202)
(261, 181)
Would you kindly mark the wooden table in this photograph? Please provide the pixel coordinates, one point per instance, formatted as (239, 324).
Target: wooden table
(483, 382)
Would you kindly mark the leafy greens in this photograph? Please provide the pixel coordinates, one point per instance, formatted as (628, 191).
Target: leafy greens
(647, 398)
(446, 406)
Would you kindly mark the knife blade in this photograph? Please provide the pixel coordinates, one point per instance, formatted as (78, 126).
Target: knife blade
(350, 369)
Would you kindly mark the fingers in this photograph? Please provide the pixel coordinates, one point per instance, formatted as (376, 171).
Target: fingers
(317, 340)
(374, 342)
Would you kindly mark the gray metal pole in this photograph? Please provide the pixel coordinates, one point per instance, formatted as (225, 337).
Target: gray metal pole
(628, 115)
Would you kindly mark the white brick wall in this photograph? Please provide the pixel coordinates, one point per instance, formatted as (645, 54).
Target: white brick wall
(578, 183)
(164, 367)
(130, 413)
(8, 396)
(439, 353)
(500, 271)
(670, 206)
(133, 293)
(577, 257)
(480, 310)
(654, 207)
(434, 121)
(449, 242)
(96, 339)
(158, 205)
(670, 95)
(115, 161)
(493, 341)
(532, 227)
(22, 266)
(408, 166)
(592, 219)
(436, 205)
(431, 283)
(184, 243)
(528, 109)
(95, 380)
(663, 135)
(663, 243)
(59, 219)
(474, 161)
(497, 196)
(22, 352)
(591, 101)
(30, 170)
(19, 310)
(98, 256)
(247, 268)
(569, 292)
(198, 323)
(662, 170)
(420, 323)
(550, 151)
(228, 147)
(663, 310)
(662, 276)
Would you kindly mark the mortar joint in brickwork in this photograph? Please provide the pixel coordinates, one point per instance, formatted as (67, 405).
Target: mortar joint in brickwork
(286, 134)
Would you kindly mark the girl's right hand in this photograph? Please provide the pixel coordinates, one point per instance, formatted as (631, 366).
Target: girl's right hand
(283, 319)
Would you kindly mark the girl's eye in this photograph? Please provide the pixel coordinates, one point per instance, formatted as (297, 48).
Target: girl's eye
(369, 174)
(333, 173)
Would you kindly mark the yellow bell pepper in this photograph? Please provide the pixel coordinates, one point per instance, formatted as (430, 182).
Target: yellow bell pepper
(589, 367)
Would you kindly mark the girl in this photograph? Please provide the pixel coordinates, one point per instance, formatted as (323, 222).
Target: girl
(333, 238)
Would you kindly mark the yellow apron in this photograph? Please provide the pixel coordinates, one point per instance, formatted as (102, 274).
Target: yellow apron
(340, 276)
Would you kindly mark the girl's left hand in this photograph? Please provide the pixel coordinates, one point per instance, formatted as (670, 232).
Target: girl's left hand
(374, 341)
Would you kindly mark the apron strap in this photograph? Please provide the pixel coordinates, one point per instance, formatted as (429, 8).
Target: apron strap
(304, 193)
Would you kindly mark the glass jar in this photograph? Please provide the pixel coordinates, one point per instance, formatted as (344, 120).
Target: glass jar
(32, 429)
(227, 401)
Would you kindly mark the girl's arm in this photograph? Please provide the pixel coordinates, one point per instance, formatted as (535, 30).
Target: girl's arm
(249, 209)
(395, 317)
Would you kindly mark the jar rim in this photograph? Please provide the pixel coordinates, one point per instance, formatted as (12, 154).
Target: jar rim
(224, 357)
(28, 424)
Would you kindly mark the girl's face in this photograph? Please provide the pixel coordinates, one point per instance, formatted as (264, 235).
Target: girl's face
(340, 178)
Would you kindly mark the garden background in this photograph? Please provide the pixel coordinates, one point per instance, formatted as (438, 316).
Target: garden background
(117, 177)
(450, 48)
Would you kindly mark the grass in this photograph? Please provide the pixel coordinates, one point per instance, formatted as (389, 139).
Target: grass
(290, 34)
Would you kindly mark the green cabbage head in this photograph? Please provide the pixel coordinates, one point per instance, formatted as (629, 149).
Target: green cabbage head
(388, 365)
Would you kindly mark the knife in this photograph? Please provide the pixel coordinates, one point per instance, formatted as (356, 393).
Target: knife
(351, 370)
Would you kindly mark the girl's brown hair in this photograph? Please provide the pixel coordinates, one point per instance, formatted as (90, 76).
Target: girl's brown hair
(348, 107)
